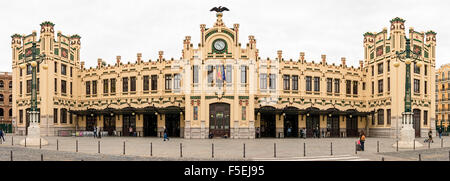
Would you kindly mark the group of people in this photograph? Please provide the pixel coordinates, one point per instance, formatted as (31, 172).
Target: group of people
(97, 132)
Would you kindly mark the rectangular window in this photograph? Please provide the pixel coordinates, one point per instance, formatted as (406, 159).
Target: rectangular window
(380, 86)
(105, 86)
(63, 69)
(195, 74)
(380, 68)
(63, 86)
(154, 82)
(195, 113)
(63, 116)
(70, 88)
(389, 65)
(416, 68)
(133, 84)
(272, 81)
(243, 74)
(286, 81)
(56, 67)
(389, 84)
(329, 85)
(425, 117)
(113, 85)
(210, 74)
(125, 84)
(373, 88)
(56, 85)
(29, 70)
(244, 113)
(55, 115)
(373, 71)
(168, 78)
(426, 70)
(21, 87)
(88, 88)
(416, 86)
(364, 86)
(20, 72)
(94, 87)
(28, 86)
(308, 83)
(177, 82)
(317, 84)
(263, 81)
(355, 87)
(380, 116)
(228, 74)
(70, 71)
(20, 116)
(70, 118)
(336, 86)
(295, 82)
(348, 87)
(388, 113)
(425, 88)
(146, 83)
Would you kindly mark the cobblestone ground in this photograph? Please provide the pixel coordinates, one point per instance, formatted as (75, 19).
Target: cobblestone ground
(138, 148)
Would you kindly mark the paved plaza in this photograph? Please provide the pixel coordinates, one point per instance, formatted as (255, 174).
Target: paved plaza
(140, 148)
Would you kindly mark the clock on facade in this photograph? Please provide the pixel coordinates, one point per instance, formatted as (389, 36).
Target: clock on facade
(219, 45)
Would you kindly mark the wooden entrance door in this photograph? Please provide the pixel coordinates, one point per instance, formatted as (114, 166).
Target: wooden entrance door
(150, 128)
(90, 123)
(291, 121)
(128, 121)
(109, 124)
(333, 126)
(416, 122)
(173, 124)
(312, 122)
(219, 119)
(352, 126)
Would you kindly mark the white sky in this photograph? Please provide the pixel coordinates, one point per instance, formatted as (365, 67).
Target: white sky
(126, 27)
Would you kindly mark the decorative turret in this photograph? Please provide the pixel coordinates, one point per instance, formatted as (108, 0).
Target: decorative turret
(361, 64)
(75, 40)
(302, 57)
(236, 31)
(161, 54)
(82, 65)
(139, 55)
(202, 34)
(343, 61)
(99, 63)
(252, 41)
(431, 37)
(397, 24)
(219, 21)
(47, 27)
(118, 60)
(280, 55)
(324, 59)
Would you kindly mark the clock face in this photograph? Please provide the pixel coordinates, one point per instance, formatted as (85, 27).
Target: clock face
(219, 45)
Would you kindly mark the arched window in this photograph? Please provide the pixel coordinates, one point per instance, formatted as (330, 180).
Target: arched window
(1, 84)
(1, 112)
(1, 98)
(10, 84)
(10, 112)
(10, 99)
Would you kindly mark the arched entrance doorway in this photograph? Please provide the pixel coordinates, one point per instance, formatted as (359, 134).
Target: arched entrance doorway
(352, 123)
(172, 115)
(268, 122)
(416, 122)
(291, 122)
(219, 119)
(312, 121)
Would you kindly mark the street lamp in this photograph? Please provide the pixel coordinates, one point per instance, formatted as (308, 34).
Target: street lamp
(34, 133)
(407, 134)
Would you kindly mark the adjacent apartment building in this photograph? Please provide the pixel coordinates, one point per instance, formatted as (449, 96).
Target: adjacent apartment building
(443, 97)
(6, 102)
(225, 89)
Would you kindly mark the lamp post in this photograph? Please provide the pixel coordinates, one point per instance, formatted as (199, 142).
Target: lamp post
(407, 133)
(34, 133)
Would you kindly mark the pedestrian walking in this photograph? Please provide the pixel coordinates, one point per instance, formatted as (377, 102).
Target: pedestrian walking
(130, 131)
(304, 133)
(289, 131)
(99, 132)
(440, 132)
(362, 139)
(430, 136)
(2, 135)
(165, 134)
(95, 132)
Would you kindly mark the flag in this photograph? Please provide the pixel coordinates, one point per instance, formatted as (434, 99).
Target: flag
(223, 73)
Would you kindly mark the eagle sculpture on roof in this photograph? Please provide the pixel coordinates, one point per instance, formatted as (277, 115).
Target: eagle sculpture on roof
(219, 9)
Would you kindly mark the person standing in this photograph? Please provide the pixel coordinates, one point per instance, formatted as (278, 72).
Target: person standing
(99, 132)
(430, 136)
(440, 132)
(165, 134)
(289, 132)
(362, 139)
(130, 131)
(304, 133)
(95, 131)
(2, 135)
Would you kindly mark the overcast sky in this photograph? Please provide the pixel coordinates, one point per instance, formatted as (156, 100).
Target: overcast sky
(127, 27)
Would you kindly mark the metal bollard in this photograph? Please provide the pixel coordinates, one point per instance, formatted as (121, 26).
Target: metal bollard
(420, 158)
(212, 150)
(244, 150)
(12, 140)
(42, 157)
(98, 146)
(414, 144)
(429, 142)
(57, 145)
(25, 142)
(124, 148)
(442, 143)
(397, 145)
(331, 148)
(76, 145)
(304, 149)
(356, 149)
(378, 146)
(274, 150)
(181, 150)
(382, 158)
(40, 140)
(151, 149)
(11, 155)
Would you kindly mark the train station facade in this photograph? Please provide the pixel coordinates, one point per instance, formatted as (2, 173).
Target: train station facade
(223, 89)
